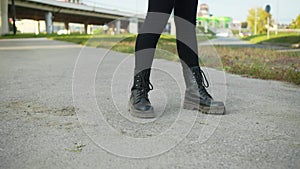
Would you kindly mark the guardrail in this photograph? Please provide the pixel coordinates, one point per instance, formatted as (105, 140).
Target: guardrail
(95, 3)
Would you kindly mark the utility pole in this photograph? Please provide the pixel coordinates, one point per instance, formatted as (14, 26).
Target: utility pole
(277, 9)
(255, 21)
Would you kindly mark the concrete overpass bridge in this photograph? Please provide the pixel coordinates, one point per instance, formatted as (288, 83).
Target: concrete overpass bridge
(52, 10)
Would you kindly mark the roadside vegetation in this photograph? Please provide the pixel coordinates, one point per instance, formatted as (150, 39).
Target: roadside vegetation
(24, 35)
(249, 62)
(281, 38)
(261, 63)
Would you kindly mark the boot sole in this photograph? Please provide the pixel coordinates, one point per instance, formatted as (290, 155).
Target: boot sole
(141, 114)
(220, 110)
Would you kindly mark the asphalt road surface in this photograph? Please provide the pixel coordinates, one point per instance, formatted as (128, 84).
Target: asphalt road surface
(65, 106)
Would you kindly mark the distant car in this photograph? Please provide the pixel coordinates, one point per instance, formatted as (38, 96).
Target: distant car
(62, 32)
(245, 34)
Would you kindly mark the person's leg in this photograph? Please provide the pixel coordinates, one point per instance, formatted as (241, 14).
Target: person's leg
(185, 20)
(155, 22)
(157, 17)
(196, 95)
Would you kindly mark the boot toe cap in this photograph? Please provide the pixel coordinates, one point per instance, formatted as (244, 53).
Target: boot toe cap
(143, 107)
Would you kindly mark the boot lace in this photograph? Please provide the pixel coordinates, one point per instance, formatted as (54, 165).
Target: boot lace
(204, 83)
(143, 86)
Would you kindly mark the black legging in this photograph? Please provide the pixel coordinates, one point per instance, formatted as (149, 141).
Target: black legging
(156, 19)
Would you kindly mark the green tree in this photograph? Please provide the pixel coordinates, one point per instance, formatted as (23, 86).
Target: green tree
(261, 20)
(295, 23)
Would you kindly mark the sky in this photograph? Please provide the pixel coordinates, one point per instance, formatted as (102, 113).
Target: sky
(283, 11)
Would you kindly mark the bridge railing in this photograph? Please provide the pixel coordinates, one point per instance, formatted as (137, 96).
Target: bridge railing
(97, 4)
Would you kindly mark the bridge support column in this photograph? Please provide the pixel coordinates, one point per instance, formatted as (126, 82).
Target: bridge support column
(133, 25)
(86, 26)
(90, 29)
(49, 23)
(4, 17)
(118, 27)
(67, 27)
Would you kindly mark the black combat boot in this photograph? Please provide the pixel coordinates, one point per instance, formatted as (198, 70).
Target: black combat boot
(196, 95)
(139, 104)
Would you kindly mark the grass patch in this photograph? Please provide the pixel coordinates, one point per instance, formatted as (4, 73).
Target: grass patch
(23, 35)
(78, 39)
(285, 38)
(261, 63)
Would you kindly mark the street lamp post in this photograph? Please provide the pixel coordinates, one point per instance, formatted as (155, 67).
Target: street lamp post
(268, 9)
